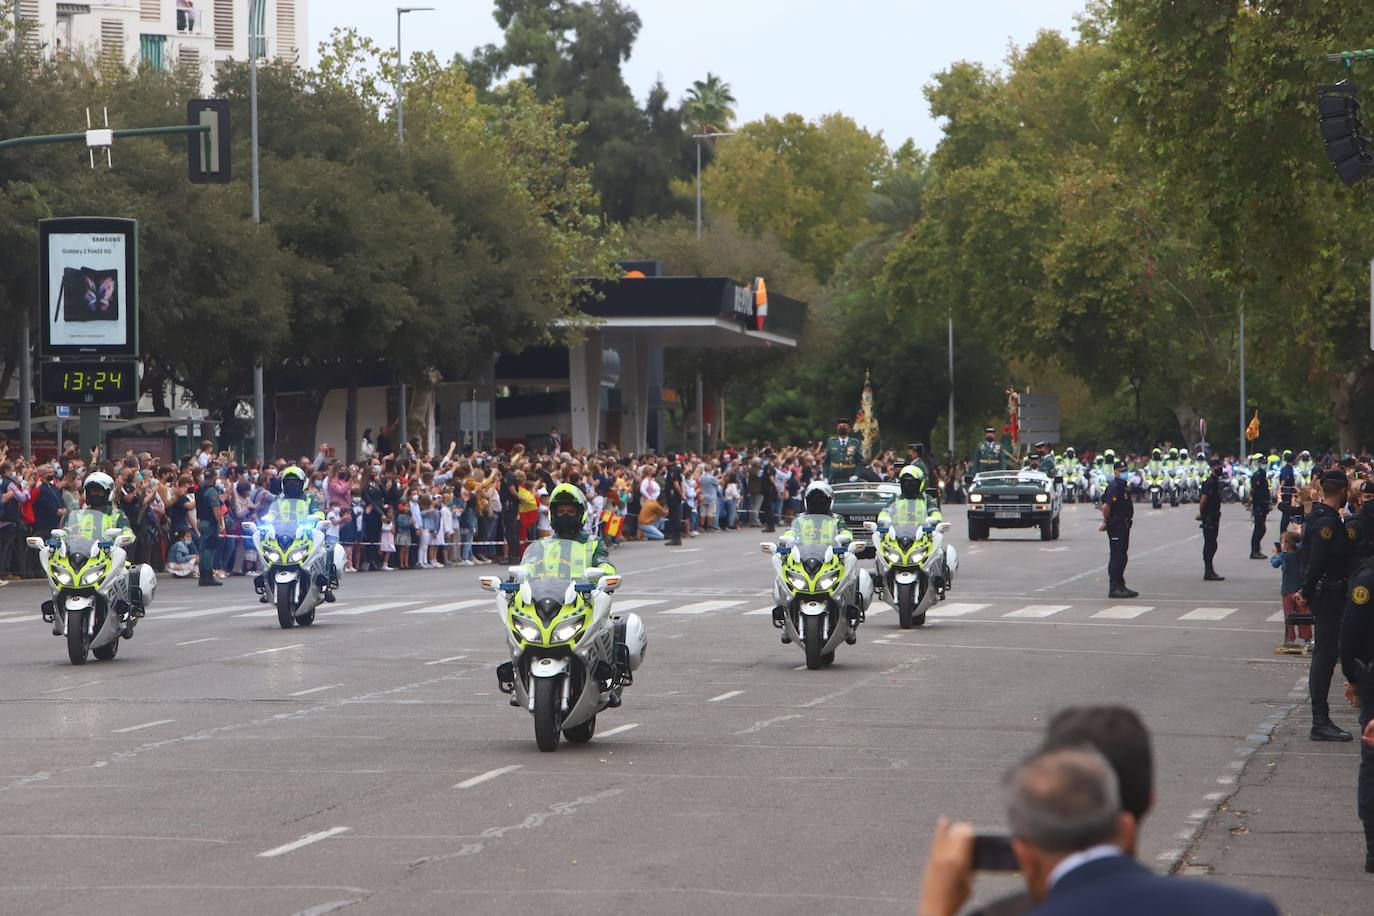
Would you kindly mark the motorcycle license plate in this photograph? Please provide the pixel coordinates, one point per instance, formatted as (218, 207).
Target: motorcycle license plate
(1008, 514)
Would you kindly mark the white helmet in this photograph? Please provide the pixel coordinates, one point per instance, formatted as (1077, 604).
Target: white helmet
(102, 484)
(818, 498)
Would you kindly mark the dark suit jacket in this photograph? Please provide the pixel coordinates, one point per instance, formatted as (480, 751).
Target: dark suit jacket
(1121, 886)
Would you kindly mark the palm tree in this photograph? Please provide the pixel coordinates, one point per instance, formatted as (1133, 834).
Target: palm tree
(709, 105)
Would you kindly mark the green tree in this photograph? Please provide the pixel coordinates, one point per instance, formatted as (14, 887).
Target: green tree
(709, 105)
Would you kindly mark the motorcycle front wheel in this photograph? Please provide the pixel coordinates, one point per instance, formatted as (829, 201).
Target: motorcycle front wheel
(285, 613)
(906, 605)
(546, 713)
(77, 643)
(811, 639)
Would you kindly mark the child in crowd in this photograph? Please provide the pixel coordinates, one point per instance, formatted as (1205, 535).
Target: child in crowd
(405, 530)
(387, 544)
(181, 561)
(446, 554)
(1296, 639)
(543, 527)
(425, 533)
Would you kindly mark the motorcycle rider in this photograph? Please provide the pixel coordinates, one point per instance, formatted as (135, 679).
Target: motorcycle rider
(817, 524)
(571, 550)
(294, 506)
(98, 488)
(1306, 467)
(1154, 468)
(913, 507)
(1100, 474)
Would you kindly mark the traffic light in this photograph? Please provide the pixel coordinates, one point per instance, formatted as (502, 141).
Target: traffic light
(1347, 145)
(208, 153)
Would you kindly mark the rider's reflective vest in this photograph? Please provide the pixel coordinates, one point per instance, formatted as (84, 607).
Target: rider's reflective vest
(810, 528)
(563, 558)
(293, 510)
(92, 523)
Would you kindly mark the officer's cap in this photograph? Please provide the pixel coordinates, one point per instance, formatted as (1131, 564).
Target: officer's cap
(1120, 465)
(989, 430)
(1336, 475)
(844, 420)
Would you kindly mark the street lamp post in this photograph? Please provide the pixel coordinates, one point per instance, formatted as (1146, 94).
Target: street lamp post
(401, 138)
(699, 137)
(400, 71)
(256, 14)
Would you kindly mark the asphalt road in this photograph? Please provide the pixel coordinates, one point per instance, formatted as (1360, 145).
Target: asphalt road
(223, 765)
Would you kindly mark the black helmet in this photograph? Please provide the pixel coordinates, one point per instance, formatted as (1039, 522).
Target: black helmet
(818, 498)
(293, 483)
(912, 480)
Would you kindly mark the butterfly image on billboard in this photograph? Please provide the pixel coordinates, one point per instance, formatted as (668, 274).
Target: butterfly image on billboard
(89, 295)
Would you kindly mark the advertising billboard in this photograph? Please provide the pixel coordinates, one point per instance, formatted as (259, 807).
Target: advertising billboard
(89, 275)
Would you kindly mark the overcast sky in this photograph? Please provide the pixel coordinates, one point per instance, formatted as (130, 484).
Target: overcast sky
(866, 58)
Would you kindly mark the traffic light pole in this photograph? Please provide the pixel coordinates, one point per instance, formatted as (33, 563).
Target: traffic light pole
(83, 136)
(1337, 57)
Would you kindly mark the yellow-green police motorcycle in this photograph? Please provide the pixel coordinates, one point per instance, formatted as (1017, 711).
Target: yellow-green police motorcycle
(570, 655)
(97, 598)
(820, 594)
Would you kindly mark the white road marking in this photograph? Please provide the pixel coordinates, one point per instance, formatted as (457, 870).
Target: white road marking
(1275, 618)
(203, 612)
(1038, 610)
(760, 726)
(451, 658)
(669, 566)
(21, 618)
(759, 612)
(701, 607)
(1209, 613)
(454, 606)
(299, 645)
(270, 612)
(954, 609)
(192, 642)
(489, 774)
(366, 609)
(1124, 611)
(301, 693)
(303, 841)
(71, 687)
(135, 728)
(1054, 549)
(880, 609)
(636, 603)
(617, 730)
(725, 696)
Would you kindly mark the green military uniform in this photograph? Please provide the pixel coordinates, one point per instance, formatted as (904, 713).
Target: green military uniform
(990, 456)
(566, 558)
(842, 458)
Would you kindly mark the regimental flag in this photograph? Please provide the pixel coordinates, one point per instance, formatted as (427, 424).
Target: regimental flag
(866, 421)
(1252, 431)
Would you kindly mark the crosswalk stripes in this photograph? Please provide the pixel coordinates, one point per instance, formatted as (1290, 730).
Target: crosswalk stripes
(1038, 610)
(454, 606)
(702, 607)
(153, 611)
(1209, 613)
(954, 609)
(347, 611)
(759, 611)
(1275, 618)
(635, 604)
(1123, 611)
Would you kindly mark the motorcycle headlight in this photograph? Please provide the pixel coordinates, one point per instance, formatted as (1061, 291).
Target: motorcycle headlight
(893, 555)
(297, 555)
(797, 582)
(526, 630)
(567, 630)
(827, 582)
(93, 575)
(62, 576)
(271, 554)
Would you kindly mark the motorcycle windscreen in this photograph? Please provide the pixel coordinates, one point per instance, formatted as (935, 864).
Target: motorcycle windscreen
(84, 527)
(907, 535)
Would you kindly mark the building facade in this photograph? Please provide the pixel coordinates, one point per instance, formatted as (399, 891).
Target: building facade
(168, 33)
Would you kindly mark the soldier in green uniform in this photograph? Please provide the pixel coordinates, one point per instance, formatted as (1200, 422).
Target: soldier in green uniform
(990, 456)
(843, 454)
(1044, 459)
(916, 458)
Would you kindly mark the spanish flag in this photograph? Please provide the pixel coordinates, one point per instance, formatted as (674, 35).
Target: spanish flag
(1252, 431)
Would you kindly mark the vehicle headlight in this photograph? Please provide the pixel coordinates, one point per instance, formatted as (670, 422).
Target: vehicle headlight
(1042, 497)
(62, 576)
(297, 555)
(893, 555)
(567, 630)
(975, 497)
(271, 554)
(827, 582)
(526, 630)
(797, 582)
(93, 575)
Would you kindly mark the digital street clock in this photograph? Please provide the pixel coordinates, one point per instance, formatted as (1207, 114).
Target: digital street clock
(84, 382)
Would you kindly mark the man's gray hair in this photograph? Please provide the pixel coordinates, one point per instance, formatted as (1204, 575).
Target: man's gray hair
(1064, 800)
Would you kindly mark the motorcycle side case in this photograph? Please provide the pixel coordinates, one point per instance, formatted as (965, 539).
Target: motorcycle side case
(629, 632)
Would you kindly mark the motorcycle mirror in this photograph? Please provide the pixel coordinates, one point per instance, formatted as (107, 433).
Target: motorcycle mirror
(870, 527)
(517, 573)
(490, 582)
(34, 542)
(59, 533)
(844, 539)
(250, 527)
(768, 547)
(944, 526)
(125, 538)
(592, 573)
(610, 583)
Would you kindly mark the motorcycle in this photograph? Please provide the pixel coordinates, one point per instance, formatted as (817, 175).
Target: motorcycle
(96, 598)
(296, 573)
(820, 595)
(570, 655)
(914, 568)
(1157, 484)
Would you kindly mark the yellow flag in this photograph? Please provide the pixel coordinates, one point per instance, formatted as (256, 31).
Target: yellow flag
(1252, 431)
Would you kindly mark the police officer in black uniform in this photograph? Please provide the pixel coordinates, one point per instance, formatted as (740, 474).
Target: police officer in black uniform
(1259, 509)
(1324, 589)
(1209, 513)
(1359, 527)
(1357, 664)
(673, 488)
(1117, 513)
(1289, 507)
